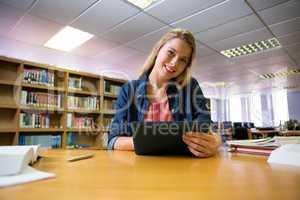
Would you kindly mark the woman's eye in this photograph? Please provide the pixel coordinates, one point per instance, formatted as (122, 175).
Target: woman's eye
(170, 52)
(183, 61)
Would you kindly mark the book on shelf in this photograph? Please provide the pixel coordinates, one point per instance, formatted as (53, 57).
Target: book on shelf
(263, 146)
(86, 103)
(38, 76)
(108, 104)
(15, 161)
(45, 141)
(111, 88)
(75, 83)
(40, 99)
(34, 120)
(74, 121)
(107, 123)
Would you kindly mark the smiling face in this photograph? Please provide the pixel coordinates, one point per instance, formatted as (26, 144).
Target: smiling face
(172, 59)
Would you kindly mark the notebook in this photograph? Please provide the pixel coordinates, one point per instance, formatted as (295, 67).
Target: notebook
(162, 138)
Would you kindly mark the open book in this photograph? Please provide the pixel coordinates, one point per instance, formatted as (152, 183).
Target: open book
(15, 167)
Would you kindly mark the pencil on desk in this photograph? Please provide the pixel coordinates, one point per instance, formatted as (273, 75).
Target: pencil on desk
(80, 157)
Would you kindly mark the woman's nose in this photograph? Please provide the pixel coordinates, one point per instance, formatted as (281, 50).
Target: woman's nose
(174, 61)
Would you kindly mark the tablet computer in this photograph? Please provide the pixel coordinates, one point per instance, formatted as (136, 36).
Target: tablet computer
(162, 138)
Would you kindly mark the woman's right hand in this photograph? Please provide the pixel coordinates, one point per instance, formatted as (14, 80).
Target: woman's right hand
(124, 144)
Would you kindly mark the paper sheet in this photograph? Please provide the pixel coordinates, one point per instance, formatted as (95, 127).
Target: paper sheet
(288, 154)
(29, 174)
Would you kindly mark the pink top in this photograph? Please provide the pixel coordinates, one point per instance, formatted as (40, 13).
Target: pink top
(159, 111)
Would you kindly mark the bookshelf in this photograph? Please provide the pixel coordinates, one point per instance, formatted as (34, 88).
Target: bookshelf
(61, 108)
(110, 89)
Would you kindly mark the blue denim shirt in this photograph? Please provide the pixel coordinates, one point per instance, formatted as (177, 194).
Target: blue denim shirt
(186, 104)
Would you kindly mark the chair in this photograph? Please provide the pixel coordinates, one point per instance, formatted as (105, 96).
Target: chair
(248, 124)
(240, 132)
(227, 124)
(226, 131)
(237, 124)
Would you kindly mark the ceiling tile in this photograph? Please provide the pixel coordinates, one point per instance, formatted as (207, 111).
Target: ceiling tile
(263, 4)
(133, 28)
(214, 16)
(134, 62)
(230, 29)
(146, 42)
(62, 12)
(242, 39)
(95, 46)
(203, 50)
(214, 60)
(20, 4)
(104, 15)
(116, 54)
(9, 17)
(179, 9)
(294, 52)
(293, 49)
(290, 39)
(32, 30)
(286, 27)
(281, 12)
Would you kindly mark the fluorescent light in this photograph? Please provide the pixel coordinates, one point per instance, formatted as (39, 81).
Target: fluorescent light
(142, 3)
(67, 39)
(251, 48)
(219, 84)
(284, 73)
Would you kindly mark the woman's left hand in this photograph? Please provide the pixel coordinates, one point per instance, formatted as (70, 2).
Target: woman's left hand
(202, 144)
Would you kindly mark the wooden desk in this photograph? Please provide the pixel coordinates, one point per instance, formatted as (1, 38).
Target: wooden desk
(266, 133)
(290, 133)
(123, 175)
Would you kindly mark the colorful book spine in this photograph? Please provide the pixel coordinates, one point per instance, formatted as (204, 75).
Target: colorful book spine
(33, 120)
(39, 99)
(39, 77)
(111, 88)
(75, 83)
(107, 123)
(47, 141)
(86, 103)
(108, 105)
(80, 121)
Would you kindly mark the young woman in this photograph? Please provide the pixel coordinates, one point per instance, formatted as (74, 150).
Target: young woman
(165, 91)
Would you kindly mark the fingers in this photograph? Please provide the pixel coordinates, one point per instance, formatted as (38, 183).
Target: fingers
(195, 145)
(198, 153)
(201, 145)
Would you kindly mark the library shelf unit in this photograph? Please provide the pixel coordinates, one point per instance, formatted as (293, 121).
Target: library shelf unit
(110, 89)
(63, 108)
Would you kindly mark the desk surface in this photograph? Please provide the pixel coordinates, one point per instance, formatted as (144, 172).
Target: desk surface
(123, 175)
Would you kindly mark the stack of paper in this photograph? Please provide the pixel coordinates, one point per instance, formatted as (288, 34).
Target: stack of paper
(261, 146)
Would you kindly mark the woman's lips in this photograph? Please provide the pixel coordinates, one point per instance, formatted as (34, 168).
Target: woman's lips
(169, 69)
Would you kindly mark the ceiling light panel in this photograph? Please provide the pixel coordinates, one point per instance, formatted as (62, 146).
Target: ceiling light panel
(251, 48)
(285, 73)
(142, 3)
(68, 39)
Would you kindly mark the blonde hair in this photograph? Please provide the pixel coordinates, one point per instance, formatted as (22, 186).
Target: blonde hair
(182, 34)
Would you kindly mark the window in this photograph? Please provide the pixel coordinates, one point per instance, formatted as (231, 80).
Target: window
(235, 108)
(280, 107)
